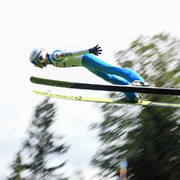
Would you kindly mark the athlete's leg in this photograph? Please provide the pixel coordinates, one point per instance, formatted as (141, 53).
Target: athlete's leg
(91, 61)
(114, 80)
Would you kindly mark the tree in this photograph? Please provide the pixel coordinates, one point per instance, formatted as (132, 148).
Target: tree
(17, 168)
(148, 137)
(42, 147)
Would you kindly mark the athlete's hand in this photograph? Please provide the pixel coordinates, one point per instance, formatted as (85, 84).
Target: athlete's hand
(95, 50)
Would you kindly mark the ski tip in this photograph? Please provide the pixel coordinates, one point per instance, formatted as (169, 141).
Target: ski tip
(31, 78)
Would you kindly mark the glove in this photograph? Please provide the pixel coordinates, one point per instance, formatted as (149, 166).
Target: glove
(95, 50)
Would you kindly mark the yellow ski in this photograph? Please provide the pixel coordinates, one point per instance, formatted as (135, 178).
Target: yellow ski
(106, 100)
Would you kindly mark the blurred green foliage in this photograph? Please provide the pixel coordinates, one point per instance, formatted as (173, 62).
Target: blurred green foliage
(147, 137)
(40, 156)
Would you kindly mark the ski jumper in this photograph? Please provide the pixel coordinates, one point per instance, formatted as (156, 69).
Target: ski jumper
(112, 74)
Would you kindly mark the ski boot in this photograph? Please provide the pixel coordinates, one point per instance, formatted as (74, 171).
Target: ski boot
(125, 99)
(138, 83)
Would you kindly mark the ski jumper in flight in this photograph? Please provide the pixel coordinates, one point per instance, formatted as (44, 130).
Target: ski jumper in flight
(88, 59)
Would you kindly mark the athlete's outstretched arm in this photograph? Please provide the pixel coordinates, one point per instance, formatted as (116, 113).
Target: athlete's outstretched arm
(95, 50)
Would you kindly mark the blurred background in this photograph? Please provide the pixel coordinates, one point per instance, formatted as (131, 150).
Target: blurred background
(57, 139)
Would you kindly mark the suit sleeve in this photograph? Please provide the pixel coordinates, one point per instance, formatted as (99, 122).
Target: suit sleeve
(60, 55)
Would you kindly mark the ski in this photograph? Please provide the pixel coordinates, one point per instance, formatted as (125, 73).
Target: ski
(121, 88)
(105, 100)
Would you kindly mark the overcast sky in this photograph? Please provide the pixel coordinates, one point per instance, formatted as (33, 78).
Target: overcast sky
(70, 25)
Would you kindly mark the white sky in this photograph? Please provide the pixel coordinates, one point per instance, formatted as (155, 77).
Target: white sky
(71, 25)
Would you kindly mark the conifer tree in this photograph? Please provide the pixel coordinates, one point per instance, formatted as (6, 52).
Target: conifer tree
(17, 168)
(41, 155)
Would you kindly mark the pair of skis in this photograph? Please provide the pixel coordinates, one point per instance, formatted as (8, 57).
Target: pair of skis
(121, 88)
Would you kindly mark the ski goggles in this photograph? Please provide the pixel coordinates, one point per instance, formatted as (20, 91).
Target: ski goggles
(35, 62)
(39, 58)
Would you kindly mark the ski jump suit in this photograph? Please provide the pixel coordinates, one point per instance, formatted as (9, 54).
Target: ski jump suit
(112, 74)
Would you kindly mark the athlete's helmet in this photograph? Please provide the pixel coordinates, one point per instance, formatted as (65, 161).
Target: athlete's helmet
(38, 55)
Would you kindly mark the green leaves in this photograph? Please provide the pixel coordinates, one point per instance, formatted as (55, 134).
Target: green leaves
(41, 147)
(147, 137)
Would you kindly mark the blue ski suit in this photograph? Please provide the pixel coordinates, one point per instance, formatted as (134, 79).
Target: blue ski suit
(112, 74)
